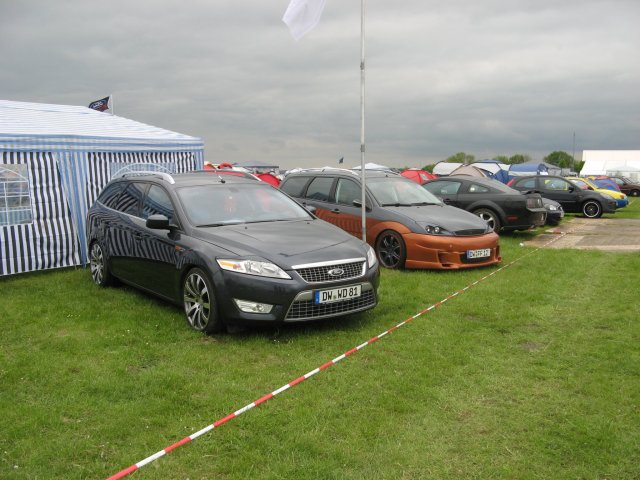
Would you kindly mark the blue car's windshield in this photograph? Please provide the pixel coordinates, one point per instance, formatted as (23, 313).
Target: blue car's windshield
(227, 204)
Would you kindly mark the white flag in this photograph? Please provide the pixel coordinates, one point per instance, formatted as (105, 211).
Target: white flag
(302, 16)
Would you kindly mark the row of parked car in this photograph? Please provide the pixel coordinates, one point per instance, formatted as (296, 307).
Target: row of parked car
(231, 249)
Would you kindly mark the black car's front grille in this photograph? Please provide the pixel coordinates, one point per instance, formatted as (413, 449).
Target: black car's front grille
(308, 310)
(470, 232)
(344, 271)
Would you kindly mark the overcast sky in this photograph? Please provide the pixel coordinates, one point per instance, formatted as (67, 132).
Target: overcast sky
(489, 77)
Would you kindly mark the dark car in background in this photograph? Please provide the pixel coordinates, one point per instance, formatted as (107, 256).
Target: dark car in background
(572, 198)
(228, 249)
(627, 186)
(502, 207)
(407, 226)
(555, 213)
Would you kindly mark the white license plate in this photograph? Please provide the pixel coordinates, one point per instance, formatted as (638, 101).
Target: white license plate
(337, 294)
(481, 253)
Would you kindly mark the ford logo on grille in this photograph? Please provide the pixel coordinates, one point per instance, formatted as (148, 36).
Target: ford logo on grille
(336, 272)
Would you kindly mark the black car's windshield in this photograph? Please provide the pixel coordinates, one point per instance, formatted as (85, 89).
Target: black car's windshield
(227, 204)
(397, 192)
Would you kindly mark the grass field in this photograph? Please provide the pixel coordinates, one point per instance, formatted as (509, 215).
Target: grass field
(533, 373)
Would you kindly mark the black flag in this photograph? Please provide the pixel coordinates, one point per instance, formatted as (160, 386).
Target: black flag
(100, 105)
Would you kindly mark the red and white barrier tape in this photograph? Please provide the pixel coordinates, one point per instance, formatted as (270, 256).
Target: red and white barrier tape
(269, 396)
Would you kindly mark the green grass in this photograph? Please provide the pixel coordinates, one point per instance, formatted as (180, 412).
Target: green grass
(532, 374)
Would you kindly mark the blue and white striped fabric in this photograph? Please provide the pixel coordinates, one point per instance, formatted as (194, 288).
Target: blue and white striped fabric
(71, 153)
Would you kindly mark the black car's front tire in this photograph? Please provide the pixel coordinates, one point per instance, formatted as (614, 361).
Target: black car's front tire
(591, 209)
(100, 272)
(391, 250)
(199, 302)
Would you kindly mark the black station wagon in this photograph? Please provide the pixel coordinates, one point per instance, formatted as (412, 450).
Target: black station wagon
(228, 249)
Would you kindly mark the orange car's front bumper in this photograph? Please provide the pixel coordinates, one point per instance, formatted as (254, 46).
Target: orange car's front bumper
(449, 253)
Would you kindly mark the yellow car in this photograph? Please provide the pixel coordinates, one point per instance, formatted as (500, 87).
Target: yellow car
(586, 184)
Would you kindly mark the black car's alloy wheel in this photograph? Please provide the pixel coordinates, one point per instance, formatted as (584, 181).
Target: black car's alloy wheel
(391, 249)
(199, 302)
(490, 217)
(591, 209)
(98, 264)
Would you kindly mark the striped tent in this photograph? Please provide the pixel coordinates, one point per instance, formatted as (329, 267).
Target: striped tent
(54, 161)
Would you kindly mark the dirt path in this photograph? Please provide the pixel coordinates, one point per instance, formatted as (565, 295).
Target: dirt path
(610, 234)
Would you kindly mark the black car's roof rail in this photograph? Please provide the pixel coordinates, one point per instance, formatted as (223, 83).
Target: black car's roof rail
(164, 175)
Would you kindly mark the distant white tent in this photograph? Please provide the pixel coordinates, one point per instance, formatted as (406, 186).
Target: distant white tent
(445, 168)
(611, 162)
(54, 161)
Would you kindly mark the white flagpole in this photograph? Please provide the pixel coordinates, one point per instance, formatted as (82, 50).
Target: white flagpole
(362, 149)
(113, 110)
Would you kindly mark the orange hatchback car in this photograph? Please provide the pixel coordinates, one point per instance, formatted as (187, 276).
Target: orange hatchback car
(406, 225)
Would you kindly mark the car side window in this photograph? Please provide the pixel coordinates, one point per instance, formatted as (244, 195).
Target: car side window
(157, 202)
(445, 187)
(320, 188)
(347, 191)
(556, 184)
(110, 194)
(528, 183)
(294, 186)
(475, 188)
(129, 201)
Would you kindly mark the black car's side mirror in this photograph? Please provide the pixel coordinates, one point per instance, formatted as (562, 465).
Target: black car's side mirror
(158, 222)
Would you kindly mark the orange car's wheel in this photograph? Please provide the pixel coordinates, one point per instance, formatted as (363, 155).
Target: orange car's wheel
(391, 250)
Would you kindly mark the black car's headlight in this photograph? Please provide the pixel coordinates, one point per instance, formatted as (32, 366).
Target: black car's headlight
(551, 208)
(253, 267)
(371, 256)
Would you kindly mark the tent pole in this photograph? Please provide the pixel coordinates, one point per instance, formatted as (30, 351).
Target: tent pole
(362, 144)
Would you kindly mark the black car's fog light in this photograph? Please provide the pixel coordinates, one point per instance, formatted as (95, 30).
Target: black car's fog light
(253, 307)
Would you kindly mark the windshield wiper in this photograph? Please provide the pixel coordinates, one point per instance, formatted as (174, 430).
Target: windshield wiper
(220, 224)
(420, 204)
(397, 204)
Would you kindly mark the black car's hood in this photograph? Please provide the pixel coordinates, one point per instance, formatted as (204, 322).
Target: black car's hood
(451, 218)
(286, 243)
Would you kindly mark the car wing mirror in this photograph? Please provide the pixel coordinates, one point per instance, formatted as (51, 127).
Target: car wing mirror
(358, 203)
(158, 222)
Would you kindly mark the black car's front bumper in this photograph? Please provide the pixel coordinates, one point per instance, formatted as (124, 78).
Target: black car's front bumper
(289, 300)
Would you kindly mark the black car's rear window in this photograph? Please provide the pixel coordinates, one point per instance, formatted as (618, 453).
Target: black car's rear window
(294, 186)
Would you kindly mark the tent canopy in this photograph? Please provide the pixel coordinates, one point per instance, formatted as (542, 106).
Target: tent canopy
(611, 162)
(445, 168)
(417, 175)
(55, 160)
(472, 171)
(256, 165)
(534, 168)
